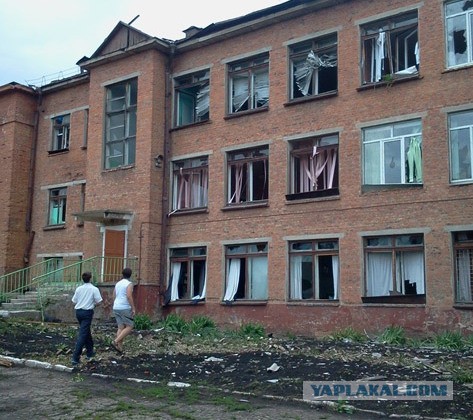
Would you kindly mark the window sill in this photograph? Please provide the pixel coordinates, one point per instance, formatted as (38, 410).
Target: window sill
(313, 302)
(311, 98)
(314, 195)
(186, 302)
(194, 124)
(461, 183)
(55, 227)
(184, 212)
(244, 206)
(57, 152)
(458, 68)
(389, 83)
(463, 305)
(244, 302)
(248, 112)
(118, 168)
(370, 188)
(395, 299)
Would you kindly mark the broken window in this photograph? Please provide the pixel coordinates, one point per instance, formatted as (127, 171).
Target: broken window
(392, 154)
(248, 175)
(61, 127)
(314, 167)
(249, 84)
(57, 206)
(120, 132)
(459, 29)
(192, 98)
(190, 183)
(461, 146)
(463, 252)
(188, 273)
(246, 272)
(314, 67)
(314, 270)
(394, 265)
(390, 48)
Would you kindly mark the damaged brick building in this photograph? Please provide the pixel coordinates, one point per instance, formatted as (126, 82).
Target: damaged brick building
(307, 166)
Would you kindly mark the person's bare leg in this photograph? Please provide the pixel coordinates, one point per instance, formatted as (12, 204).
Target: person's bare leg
(125, 332)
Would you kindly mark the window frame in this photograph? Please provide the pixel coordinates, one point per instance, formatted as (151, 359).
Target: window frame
(302, 175)
(450, 40)
(313, 250)
(408, 162)
(121, 119)
(57, 198)
(388, 32)
(313, 56)
(248, 164)
(463, 270)
(461, 160)
(61, 126)
(196, 166)
(397, 292)
(196, 87)
(248, 68)
(185, 289)
(245, 253)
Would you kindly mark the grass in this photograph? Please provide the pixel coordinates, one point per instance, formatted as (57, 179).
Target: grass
(348, 334)
(393, 335)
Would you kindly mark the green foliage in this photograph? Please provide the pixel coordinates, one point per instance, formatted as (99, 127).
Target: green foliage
(251, 330)
(202, 325)
(143, 322)
(350, 334)
(394, 335)
(176, 324)
(343, 407)
(449, 340)
(231, 404)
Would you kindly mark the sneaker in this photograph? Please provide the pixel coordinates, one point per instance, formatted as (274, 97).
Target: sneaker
(90, 358)
(74, 362)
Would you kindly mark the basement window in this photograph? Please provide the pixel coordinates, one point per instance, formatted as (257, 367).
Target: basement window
(314, 67)
(390, 49)
(192, 98)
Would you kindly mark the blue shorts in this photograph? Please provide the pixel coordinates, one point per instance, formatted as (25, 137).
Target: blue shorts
(124, 317)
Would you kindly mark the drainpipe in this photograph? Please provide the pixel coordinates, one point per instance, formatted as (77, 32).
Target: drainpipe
(31, 177)
(166, 168)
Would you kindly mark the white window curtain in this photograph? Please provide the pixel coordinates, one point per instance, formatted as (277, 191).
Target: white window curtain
(296, 277)
(203, 101)
(413, 269)
(335, 270)
(311, 167)
(261, 87)
(377, 58)
(199, 188)
(240, 93)
(464, 275)
(233, 278)
(304, 70)
(379, 276)
(238, 174)
(176, 273)
(258, 269)
(202, 280)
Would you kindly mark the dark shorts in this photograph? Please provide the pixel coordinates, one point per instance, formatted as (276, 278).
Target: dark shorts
(124, 317)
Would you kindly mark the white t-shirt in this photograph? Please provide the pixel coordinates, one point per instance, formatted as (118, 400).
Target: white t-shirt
(121, 300)
(86, 296)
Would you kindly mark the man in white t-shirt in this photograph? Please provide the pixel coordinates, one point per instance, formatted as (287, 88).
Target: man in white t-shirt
(86, 297)
(123, 308)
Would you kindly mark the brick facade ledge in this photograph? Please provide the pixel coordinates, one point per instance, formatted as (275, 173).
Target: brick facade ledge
(244, 303)
(314, 303)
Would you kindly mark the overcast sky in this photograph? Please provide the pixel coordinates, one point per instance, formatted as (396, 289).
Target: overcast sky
(41, 38)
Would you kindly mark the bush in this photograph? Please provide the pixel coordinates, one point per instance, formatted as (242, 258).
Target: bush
(349, 334)
(202, 325)
(143, 322)
(393, 335)
(251, 330)
(175, 323)
(449, 340)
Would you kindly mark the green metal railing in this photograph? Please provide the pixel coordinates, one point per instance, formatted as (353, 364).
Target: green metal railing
(41, 278)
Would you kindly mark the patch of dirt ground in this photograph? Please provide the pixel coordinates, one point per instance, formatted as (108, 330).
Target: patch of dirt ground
(240, 364)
